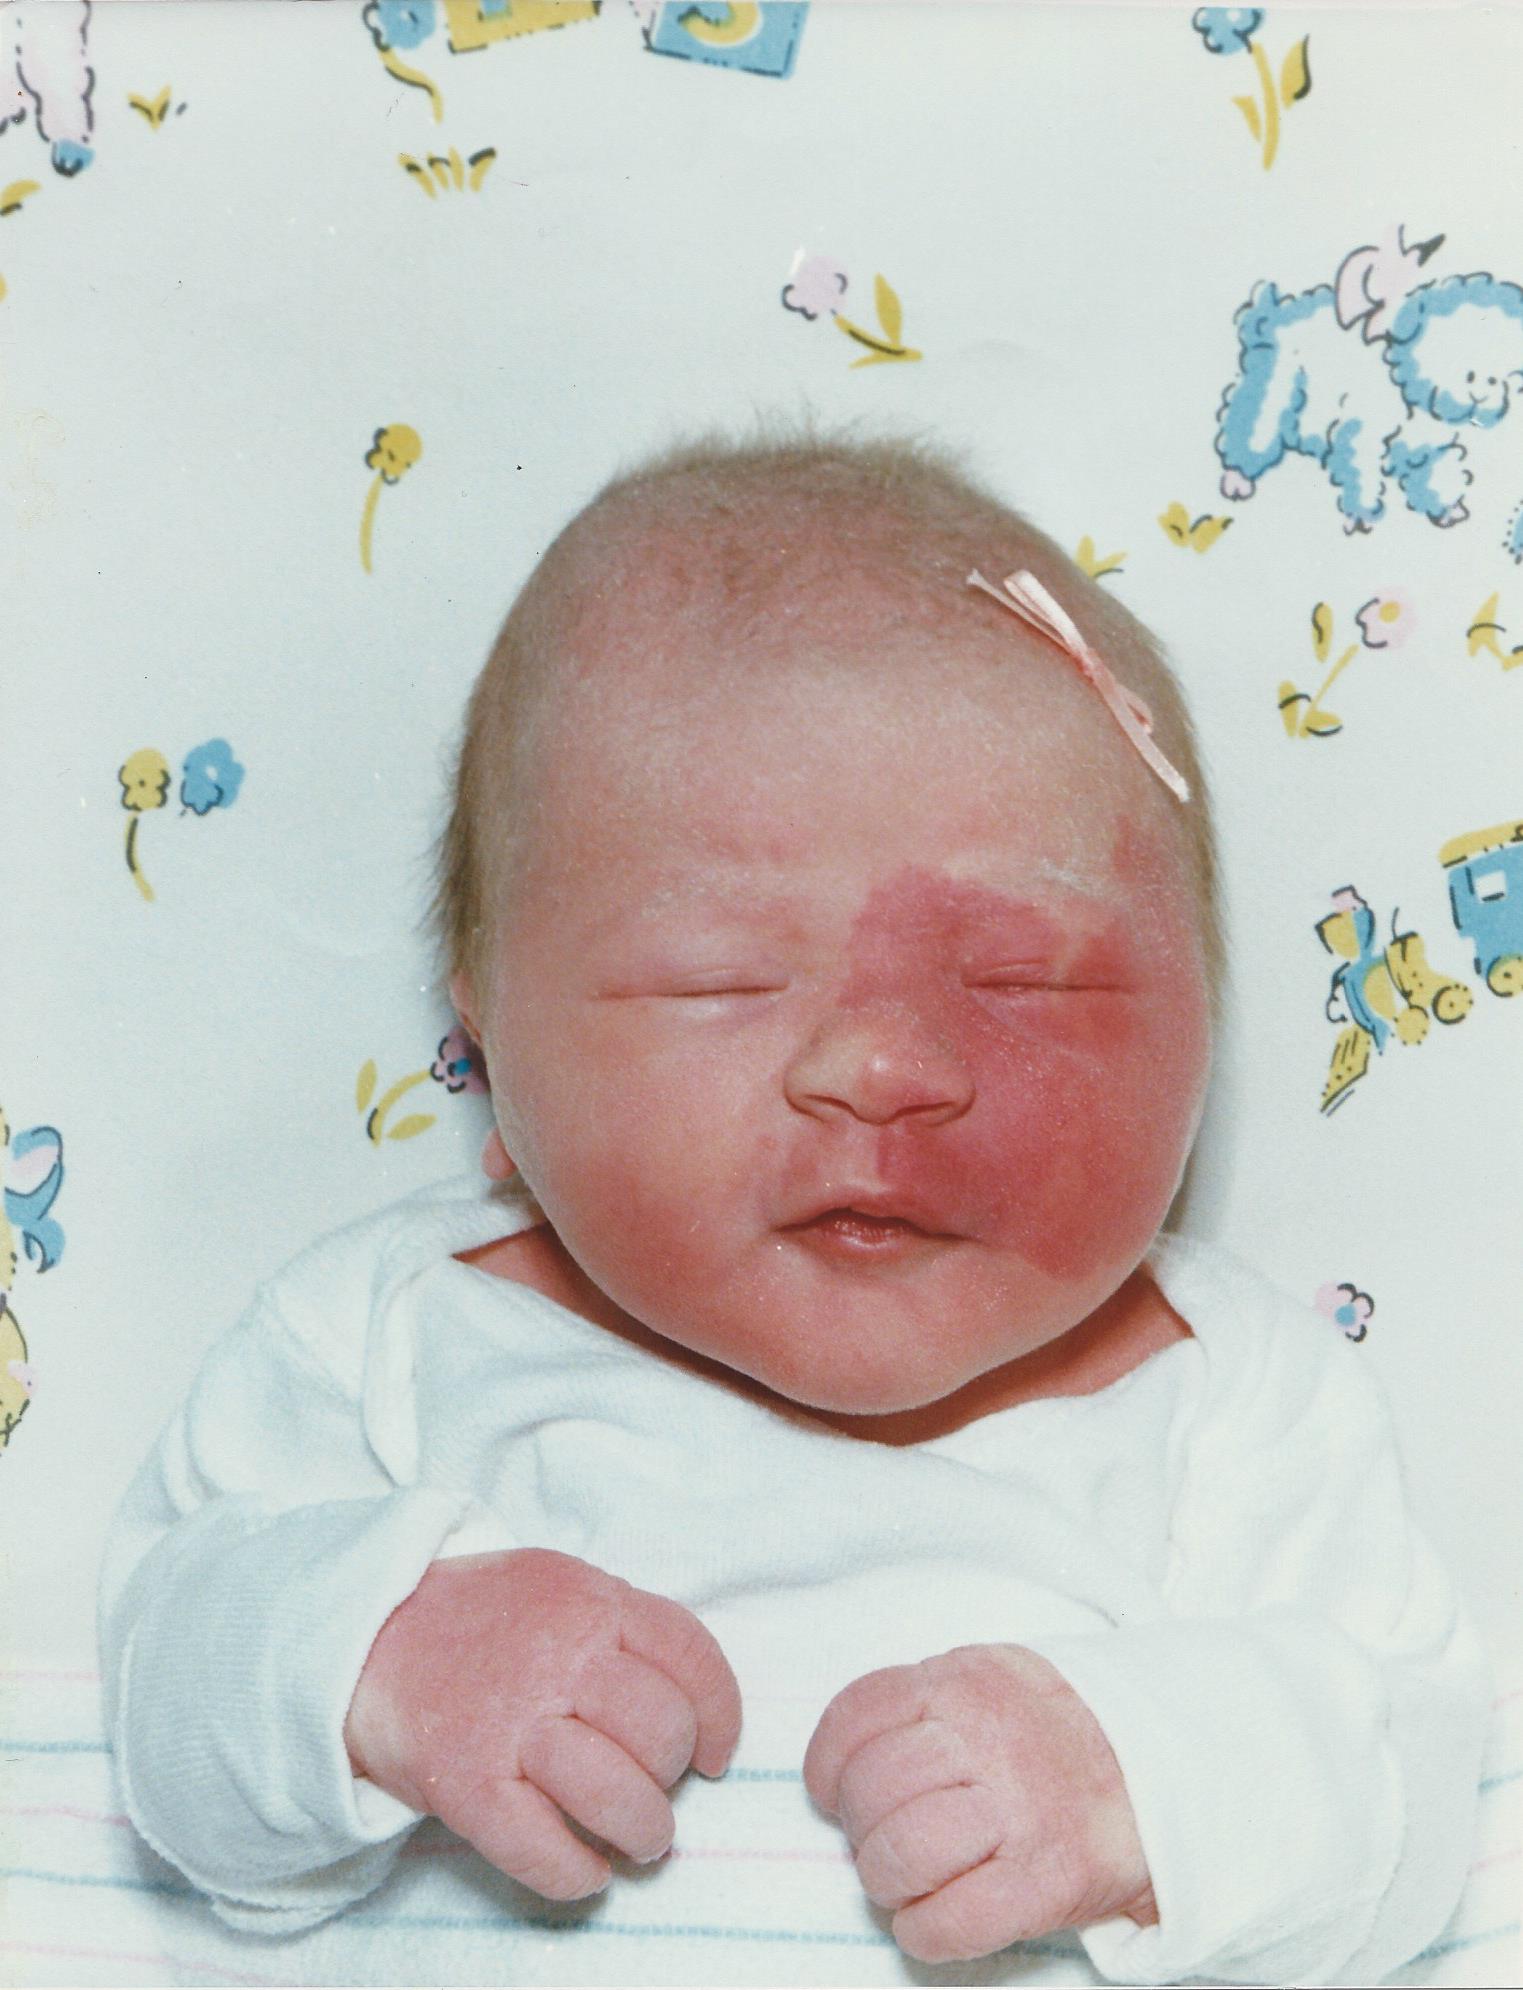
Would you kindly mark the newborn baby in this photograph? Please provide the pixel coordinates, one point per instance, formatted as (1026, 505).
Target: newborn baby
(840, 942)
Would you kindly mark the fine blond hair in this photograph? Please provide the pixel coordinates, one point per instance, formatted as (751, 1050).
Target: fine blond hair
(755, 528)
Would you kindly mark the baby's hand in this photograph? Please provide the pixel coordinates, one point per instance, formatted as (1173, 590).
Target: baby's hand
(982, 1800)
(509, 1684)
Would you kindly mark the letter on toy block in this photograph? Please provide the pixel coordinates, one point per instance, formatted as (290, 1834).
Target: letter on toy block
(762, 36)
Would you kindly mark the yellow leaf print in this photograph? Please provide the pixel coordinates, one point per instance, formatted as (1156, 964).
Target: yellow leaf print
(12, 196)
(1318, 724)
(364, 1087)
(1200, 534)
(890, 310)
(407, 1129)
(152, 108)
(1295, 73)
(1250, 111)
(1086, 557)
(1321, 630)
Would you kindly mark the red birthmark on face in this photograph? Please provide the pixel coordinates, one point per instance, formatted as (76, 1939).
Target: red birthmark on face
(1083, 1084)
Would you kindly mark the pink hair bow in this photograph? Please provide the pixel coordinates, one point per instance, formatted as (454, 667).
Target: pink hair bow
(1024, 595)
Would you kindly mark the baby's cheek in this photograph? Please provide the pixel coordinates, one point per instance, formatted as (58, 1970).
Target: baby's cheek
(1079, 1129)
(631, 1180)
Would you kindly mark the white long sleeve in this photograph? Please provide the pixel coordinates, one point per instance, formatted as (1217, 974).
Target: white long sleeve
(1301, 1736)
(258, 1551)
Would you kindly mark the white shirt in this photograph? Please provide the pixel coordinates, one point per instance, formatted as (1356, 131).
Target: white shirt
(1213, 1550)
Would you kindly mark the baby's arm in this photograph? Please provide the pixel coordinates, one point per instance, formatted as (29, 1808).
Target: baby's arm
(1299, 1739)
(261, 1552)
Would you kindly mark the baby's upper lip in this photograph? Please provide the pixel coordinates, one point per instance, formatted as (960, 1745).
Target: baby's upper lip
(895, 1204)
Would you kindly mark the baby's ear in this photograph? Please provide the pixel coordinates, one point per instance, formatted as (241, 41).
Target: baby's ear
(463, 996)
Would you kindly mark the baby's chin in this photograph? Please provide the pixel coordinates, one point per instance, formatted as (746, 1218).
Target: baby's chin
(876, 1374)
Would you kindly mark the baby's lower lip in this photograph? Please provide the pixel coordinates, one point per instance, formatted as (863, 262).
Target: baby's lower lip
(848, 1233)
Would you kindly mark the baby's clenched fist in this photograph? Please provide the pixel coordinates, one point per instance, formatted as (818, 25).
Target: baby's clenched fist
(982, 1800)
(512, 1688)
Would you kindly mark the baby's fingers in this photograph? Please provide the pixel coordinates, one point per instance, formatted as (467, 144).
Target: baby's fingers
(638, 1707)
(595, 1782)
(522, 1833)
(859, 1713)
(927, 1842)
(893, 1768)
(673, 1640)
(973, 1915)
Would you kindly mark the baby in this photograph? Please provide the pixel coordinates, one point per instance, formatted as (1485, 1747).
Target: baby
(839, 934)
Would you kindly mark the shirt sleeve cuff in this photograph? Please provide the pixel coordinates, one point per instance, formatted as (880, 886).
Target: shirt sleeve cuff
(1254, 1756)
(234, 1685)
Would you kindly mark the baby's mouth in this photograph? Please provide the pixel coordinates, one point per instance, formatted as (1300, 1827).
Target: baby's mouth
(855, 1223)
(848, 1233)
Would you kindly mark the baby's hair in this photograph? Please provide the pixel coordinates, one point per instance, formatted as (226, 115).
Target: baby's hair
(759, 532)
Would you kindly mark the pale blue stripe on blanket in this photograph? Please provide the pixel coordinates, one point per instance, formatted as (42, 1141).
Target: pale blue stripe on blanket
(1467, 1942)
(637, 1930)
(13, 1747)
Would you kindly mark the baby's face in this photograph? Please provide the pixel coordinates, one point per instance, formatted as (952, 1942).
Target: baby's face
(850, 1032)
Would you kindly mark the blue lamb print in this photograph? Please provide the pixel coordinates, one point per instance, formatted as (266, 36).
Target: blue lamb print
(1373, 409)
(37, 1185)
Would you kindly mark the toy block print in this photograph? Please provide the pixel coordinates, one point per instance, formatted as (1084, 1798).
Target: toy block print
(762, 37)
(472, 24)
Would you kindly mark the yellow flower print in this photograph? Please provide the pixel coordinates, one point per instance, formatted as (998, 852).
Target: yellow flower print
(395, 449)
(144, 776)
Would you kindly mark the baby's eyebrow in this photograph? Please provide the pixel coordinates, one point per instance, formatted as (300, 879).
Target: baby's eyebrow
(735, 901)
(1017, 878)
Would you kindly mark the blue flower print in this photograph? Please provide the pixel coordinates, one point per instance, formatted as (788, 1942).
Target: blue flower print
(210, 778)
(400, 23)
(1226, 30)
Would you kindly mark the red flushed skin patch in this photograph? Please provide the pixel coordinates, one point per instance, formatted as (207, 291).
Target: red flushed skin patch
(1064, 1139)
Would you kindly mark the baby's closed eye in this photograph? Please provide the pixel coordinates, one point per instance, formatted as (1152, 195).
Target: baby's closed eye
(1025, 982)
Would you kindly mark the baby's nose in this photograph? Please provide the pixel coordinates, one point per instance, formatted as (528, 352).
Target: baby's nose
(879, 1065)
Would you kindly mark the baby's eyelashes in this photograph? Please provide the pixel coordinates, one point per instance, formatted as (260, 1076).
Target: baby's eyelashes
(743, 987)
(1035, 984)
(696, 984)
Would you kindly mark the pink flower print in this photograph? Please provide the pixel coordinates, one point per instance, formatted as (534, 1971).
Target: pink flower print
(458, 1066)
(1347, 1307)
(1386, 622)
(815, 286)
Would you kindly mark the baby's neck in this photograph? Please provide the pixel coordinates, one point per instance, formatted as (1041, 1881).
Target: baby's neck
(1134, 1323)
